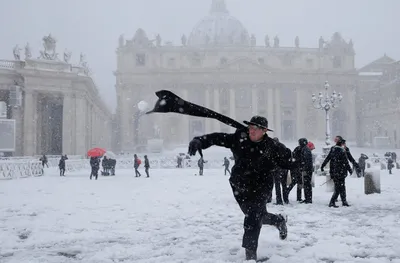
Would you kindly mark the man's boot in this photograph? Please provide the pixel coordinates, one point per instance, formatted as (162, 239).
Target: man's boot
(251, 254)
(344, 203)
(332, 204)
(281, 225)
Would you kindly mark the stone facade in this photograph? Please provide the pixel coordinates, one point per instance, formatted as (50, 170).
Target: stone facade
(61, 111)
(223, 67)
(378, 102)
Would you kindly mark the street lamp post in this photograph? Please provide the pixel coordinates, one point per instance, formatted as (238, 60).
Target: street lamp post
(327, 102)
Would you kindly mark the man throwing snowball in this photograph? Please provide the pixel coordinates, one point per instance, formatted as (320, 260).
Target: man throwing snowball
(256, 155)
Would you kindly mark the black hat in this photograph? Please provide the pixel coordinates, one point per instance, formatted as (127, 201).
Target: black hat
(303, 141)
(258, 121)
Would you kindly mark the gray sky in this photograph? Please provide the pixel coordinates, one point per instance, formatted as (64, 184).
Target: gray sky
(93, 26)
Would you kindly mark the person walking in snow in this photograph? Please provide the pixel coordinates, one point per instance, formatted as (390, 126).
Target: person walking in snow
(338, 168)
(61, 164)
(390, 165)
(362, 164)
(146, 165)
(226, 164)
(201, 163)
(136, 164)
(95, 166)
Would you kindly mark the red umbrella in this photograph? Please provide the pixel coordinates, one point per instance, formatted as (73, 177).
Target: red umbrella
(96, 152)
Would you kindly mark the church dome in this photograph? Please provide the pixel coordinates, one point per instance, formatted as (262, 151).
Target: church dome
(219, 29)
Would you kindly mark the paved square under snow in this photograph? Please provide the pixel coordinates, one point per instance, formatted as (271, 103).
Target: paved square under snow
(174, 216)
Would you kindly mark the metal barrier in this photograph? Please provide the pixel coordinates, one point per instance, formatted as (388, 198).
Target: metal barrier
(20, 169)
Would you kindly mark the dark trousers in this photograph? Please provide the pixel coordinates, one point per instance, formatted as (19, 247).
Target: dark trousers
(62, 171)
(362, 172)
(280, 179)
(296, 179)
(307, 186)
(95, 173)
(340, 189)
(227, 170)
(253, 205)
(146, 169)
(200, 170)
(137, 173)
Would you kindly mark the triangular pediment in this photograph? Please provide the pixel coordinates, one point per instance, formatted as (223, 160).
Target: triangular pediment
(384, 60)
(244, 65)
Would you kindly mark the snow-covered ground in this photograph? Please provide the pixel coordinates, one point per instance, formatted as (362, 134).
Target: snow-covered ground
(174, 216)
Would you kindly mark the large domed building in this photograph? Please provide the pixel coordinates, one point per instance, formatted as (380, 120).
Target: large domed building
(220, 65)
(219, 29)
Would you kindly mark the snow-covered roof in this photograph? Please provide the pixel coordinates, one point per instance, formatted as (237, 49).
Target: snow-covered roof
(372, 73)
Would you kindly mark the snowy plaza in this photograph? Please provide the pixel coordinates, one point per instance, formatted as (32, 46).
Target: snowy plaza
(175, 216)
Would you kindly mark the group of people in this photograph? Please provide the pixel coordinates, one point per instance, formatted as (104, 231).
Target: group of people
(108, 165)
(137, 162)
(262, 162)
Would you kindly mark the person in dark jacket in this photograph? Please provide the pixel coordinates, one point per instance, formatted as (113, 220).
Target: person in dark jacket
(226, 164)
(44, 161)
(295, 173)
(61, 164)
(95, 165)
(113, 163)
(362, 164)
(280, 182)
(339, 138)
(306, 169)
(339, 166)
(136, 165)
(394, 157)
(105, 163)
(256, 156)
(201, 163)
(390, 165)
(146, 165)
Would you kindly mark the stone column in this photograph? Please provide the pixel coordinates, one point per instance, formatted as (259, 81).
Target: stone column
(254, 101)
(44, 126)
(39, 129)
(94, 127)
(208, 123)
(301, 113)
(217, 124)
(350, 109)
(16, 114)
(278, 119)
(232, 105)
(270, 108)
(80, 126)
(88, 137)
(126, 127)
(29, 133)
(67, 124)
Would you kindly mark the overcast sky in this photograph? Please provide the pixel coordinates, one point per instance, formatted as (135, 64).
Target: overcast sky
(93, 26)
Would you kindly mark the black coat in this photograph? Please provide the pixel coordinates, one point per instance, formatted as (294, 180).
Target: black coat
(95, 163)
(339, 165)
(254, 161)
(361, 162)
(146, 163)
(306, 160)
